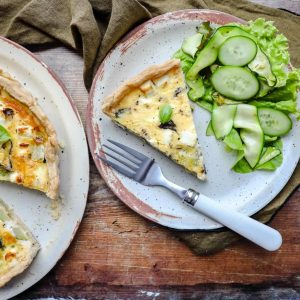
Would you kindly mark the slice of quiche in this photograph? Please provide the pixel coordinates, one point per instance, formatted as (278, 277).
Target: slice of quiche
(136, 105)
(28, 144)
(18, 247)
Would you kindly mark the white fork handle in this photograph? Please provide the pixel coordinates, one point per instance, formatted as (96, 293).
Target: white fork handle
(259, 233)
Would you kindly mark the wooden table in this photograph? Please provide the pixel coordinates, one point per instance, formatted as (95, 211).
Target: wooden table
(116, 254)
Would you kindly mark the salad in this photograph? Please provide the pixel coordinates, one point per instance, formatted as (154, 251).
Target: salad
(241, 75)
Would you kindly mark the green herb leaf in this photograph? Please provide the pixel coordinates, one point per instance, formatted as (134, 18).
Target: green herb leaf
(4, 135)
(165, 113)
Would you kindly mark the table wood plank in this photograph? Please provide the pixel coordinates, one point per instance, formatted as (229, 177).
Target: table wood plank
(116, 254)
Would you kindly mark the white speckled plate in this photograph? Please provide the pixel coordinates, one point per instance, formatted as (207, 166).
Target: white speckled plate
(33, 207)
(154, 42)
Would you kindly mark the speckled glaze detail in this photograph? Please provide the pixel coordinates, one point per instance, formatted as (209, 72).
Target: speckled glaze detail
(154, 42)
(53, 98)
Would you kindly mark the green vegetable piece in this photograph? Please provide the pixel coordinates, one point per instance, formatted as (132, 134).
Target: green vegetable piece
(269, 154)
(196, 88)
(209, 130)
(288, 106)
(237, 51)
(274, 122)
(233, 140)
(235, 82)
(4, 135)
(186, 61)
(242, 166)
(222, 120)
(165, 113)
(262, 66)
(270, 138)
(251, 133)
(206, 105)
(264, 88)
(191, 44)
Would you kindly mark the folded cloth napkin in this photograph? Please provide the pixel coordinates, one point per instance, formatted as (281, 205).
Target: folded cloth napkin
(94, 26)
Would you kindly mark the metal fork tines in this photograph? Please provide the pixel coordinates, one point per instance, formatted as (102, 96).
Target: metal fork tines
(127, 161)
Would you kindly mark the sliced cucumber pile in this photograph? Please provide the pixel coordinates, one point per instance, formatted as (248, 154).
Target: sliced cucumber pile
(231, 74)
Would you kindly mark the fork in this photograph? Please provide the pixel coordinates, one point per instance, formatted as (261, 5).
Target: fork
(146, 171)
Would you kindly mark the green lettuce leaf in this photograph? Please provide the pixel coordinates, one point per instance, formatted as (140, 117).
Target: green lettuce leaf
(233, 140)
(288, 106)
(186, 60)
(275, 45)
(242, 166)
(287, 92)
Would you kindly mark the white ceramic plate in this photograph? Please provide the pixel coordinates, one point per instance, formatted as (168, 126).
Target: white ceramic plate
(154, 42)
(33, 207)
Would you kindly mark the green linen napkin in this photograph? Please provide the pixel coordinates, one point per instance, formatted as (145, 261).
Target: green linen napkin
(93, 27)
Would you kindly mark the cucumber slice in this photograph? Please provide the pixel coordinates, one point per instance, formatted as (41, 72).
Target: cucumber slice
(237, 51)
(262, 66)
(274, 122)
(191, 44)
(235, 82)
(251, 133)
(222, 120)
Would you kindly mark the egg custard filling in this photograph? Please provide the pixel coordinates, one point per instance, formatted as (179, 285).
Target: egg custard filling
(18, 247)
(28, 145)
(154, 105)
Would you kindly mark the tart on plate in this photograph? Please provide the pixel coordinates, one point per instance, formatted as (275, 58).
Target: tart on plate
(139, 106)
(18, 247)
(28, 144)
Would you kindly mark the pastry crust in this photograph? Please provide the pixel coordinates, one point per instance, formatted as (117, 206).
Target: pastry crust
(151, 73)
(24, 261)
(15, 89)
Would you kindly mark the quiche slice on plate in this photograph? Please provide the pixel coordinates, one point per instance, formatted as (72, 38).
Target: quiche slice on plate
(28, 144)
(18, 247)
(136, 106)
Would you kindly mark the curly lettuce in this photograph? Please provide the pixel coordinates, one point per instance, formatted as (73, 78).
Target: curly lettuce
(275, 45)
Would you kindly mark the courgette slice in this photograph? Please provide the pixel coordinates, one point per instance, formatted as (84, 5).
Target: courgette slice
(269, 154)
(191, 44)
(235, 82)
(222, 120)
(251, 133)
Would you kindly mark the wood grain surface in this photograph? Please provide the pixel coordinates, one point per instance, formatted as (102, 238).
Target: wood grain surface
(116, 254)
